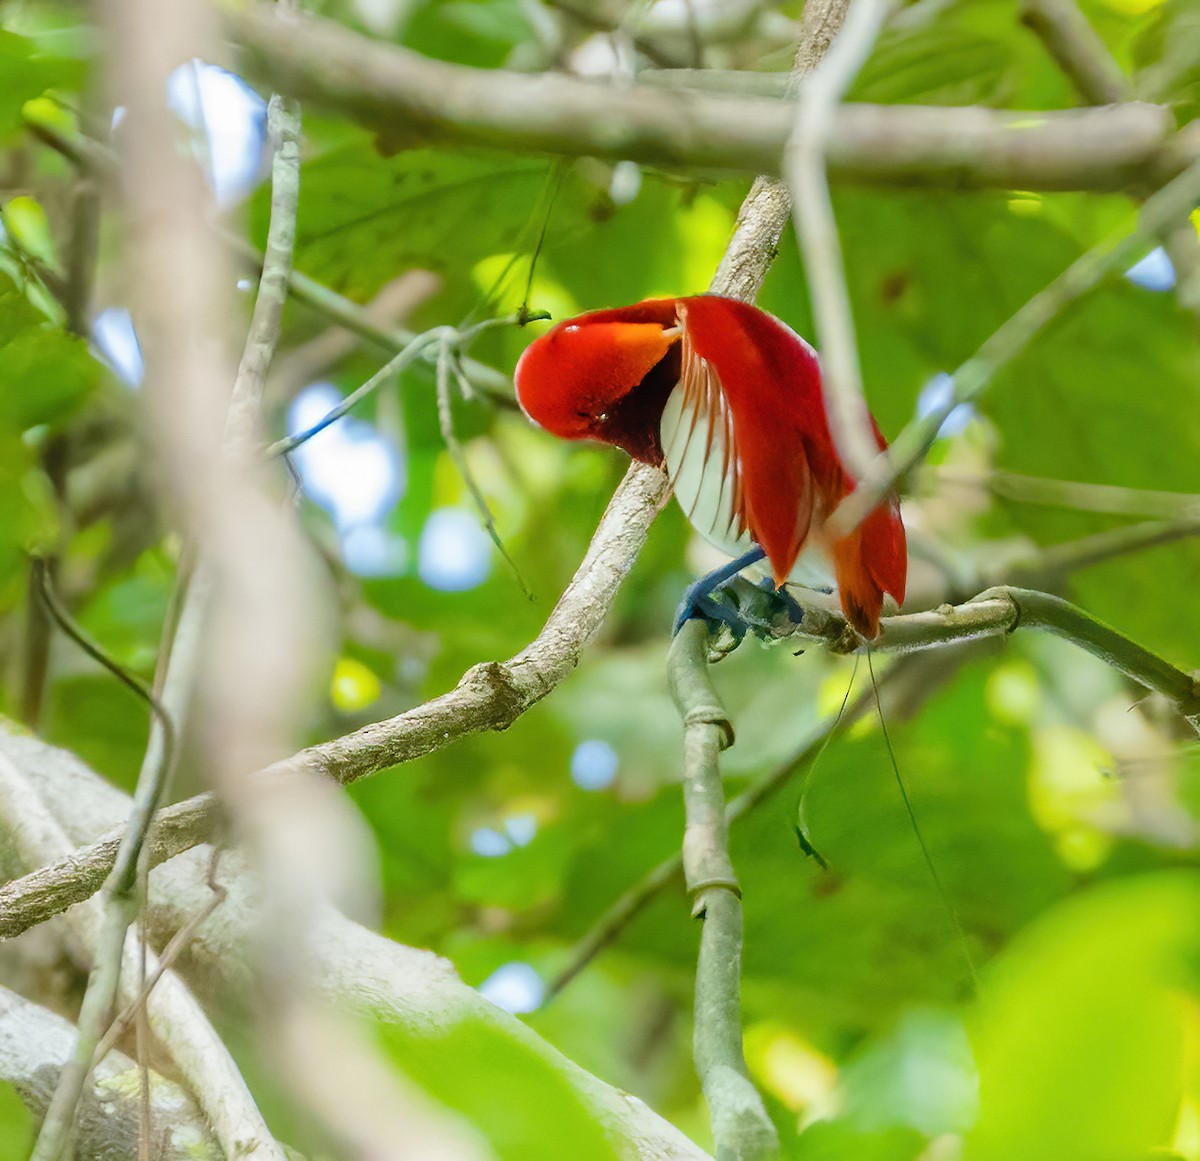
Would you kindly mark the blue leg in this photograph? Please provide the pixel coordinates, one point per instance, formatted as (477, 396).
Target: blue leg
(697, 601)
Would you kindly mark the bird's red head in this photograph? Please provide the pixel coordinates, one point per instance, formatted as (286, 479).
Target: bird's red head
(578, 380)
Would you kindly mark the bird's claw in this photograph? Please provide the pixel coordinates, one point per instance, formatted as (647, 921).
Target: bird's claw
(742, 607)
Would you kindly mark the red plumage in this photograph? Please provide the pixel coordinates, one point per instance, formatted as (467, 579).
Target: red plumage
(728, 399)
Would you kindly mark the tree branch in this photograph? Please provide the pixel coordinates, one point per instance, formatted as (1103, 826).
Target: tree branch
(1077, 49)
(385, 87)
(34, 1042)
(741, 1126)
(999, 611)
(175, 1018)
(414, 991)
(1080, 497)
(1171, 203)
(816, 228)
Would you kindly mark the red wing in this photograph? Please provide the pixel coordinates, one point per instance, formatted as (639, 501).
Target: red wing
(768, 380)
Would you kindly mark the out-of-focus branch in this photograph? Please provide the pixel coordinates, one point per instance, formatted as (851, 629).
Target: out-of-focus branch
(385, 87)
(1109, 498)
(1061, 559)
(34, 1042)
(740, 1124)
(738, 82)
(394, 985)
(816, 227)
(198, 1054)
(764, 213)
(1077, 48)
(1171, 203)
(1084, 58)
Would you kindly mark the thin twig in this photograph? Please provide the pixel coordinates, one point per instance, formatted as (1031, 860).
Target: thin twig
(1079, 497)
(816, 227)
(121, 898)
(1174, 201)
(740, 1124)
(245, 402)
(422, 345)
(1077, 48)
(1061, 559)
(447, 365)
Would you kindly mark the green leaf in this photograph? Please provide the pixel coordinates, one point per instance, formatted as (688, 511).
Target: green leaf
(524, 1106)
(840, 1141)
(27, 225)
(921, 1074)
(1080, 1035)
(16, 1126)
(364, 218)
(25, 72)
(47, 372)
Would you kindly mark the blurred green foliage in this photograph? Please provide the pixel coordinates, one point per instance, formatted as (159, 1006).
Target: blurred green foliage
(1058, 805)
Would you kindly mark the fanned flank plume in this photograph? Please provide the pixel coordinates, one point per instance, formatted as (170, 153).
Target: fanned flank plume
(728, 400)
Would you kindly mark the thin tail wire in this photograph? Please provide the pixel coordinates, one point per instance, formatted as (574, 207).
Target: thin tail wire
(939, 886)
(801, 829)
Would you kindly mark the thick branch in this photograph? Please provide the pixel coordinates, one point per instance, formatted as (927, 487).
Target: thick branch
(34, 1042)
(415, 991)
(385, 87)
(176, 1019)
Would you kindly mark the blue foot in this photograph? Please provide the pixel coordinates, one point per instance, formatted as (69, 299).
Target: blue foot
(697, 599)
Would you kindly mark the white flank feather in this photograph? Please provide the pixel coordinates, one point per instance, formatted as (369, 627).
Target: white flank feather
(700, 446)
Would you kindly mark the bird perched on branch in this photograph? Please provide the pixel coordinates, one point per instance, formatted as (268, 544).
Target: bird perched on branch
(728, 400)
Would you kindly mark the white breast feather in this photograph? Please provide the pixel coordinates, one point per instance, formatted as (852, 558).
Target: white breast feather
(700, 447)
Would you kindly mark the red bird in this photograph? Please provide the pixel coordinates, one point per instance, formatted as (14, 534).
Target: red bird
(728, 399)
